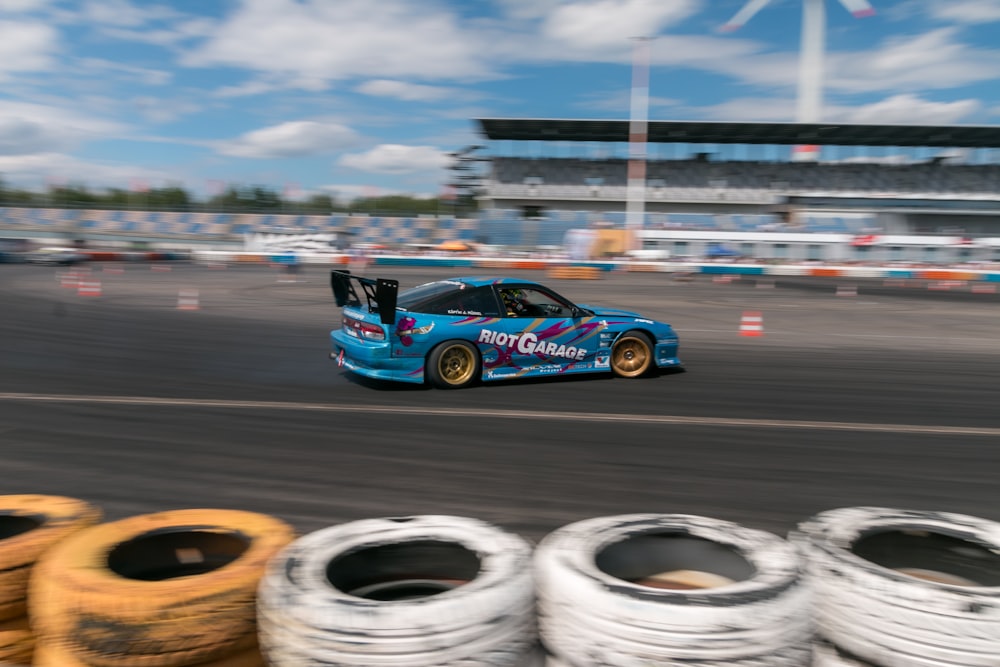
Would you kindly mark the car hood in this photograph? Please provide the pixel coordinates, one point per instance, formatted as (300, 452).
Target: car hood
(603, 311)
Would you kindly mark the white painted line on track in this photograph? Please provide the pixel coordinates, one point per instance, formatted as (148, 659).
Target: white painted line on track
(834, 334)
(493, 412)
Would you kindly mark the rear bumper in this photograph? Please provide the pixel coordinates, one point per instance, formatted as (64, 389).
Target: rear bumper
(373, 359)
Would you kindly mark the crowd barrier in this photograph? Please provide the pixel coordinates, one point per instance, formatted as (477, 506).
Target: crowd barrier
(590, 269)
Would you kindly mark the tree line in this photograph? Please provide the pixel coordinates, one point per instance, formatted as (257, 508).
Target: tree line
(234, 199)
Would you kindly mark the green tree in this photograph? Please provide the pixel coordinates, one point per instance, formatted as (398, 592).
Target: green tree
(71, 196)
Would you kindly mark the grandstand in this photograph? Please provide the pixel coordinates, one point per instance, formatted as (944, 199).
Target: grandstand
(186, 229)
(888, 192)
(925, 194)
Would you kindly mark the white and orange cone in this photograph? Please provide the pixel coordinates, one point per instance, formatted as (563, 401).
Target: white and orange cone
(89, 287)
(187, 299)
(752, 323)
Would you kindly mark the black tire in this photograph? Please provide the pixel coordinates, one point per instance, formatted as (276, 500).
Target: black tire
(632, 355)
(453, 364)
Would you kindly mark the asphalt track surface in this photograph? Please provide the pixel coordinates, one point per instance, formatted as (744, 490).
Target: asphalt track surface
(888, 398)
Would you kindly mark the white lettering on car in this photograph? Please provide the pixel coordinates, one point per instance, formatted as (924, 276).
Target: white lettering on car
(528, 343)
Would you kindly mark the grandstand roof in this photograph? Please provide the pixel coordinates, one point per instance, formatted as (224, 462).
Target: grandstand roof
(721, 132)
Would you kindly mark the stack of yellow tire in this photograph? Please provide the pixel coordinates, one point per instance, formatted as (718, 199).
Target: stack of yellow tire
(168, 589)
(30, 525)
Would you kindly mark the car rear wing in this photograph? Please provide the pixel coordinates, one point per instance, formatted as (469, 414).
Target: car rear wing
(380, 293)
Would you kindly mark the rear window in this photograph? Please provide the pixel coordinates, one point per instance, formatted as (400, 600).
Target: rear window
(419, 297)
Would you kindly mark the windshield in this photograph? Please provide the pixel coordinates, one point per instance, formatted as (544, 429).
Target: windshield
(415, 298)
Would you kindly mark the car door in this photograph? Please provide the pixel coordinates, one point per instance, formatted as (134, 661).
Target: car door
(543, 335)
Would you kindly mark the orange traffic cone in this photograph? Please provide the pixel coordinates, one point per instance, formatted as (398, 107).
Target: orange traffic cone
(752, 323)
(187, 299)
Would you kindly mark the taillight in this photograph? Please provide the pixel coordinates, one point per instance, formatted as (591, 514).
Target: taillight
(364, 330)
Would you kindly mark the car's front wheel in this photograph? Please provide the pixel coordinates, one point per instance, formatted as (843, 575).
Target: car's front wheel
(632, 355)
(453, 365)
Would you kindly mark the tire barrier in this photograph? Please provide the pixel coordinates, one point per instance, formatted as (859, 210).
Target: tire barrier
(155, 590)
(50, 655)
(671, 589)
(17, 643)
(30, 525)
(575, 272)
(415, 591)
(901, 588)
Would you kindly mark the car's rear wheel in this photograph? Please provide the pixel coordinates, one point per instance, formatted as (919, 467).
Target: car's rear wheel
(632, 355)
(453, 364)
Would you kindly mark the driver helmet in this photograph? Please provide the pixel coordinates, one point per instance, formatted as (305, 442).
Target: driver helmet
(512, 297)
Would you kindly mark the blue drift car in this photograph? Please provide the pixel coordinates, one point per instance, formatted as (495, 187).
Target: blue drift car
(454, 332)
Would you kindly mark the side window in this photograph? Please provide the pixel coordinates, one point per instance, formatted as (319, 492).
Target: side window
(479, 302)
(532, 302)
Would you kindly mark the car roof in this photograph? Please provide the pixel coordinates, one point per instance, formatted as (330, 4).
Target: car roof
(479, 281)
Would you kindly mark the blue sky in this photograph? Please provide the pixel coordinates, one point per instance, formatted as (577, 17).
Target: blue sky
(354, 97)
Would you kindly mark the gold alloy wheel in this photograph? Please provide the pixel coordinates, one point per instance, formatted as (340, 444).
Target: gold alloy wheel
(631, 356)
(456, 364)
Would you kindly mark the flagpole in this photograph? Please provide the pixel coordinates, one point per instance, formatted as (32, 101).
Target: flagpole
(635, 194)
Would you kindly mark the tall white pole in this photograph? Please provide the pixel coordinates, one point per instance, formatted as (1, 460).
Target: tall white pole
(810, 102)
(635, 194)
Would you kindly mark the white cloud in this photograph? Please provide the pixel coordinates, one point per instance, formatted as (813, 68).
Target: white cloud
(396, 159)
(965, 11)
(146, 75)
(165, 109)
(528, 9)
(618, 102)
(401, 90)
(896, 109)
(904, 109)
(15, 6)
(318, 40)
(912, 110)
(602, 23)
(26, 46)
(37, 170)
(750, 109)
(174, 34)
(248, 88)
(933, 60)
(124, 13)
(34, 128)
(291, 139)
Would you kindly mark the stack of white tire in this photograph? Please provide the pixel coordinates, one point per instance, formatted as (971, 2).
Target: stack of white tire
(414, 591)
(665, 589)
(902, 588)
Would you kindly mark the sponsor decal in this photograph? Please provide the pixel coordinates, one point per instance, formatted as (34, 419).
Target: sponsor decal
(601, 362)
(549, 368)
(464, 312)
(643, 320)
(405, 328)
(528, 343)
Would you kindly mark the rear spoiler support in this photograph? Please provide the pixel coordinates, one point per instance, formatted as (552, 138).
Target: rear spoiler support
(380, 293)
